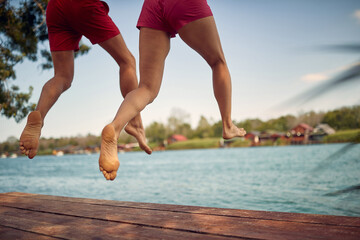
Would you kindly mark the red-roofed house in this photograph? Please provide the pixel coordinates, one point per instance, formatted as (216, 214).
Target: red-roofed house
(300, 133)
(176, 138)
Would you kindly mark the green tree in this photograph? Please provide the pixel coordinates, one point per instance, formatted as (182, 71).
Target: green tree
(281, 124)
(92, 140)
(22, 29)
(250, 124)
(204, 129)
(73, 141)
(125, 138)
(156, 132)
(217, 129)
(344, 118)
(177, 122)
(311, 118)
(185, 129)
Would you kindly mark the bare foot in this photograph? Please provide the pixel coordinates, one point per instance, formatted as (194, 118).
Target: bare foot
(29, 139)
(108, 161)
(233, 131)
(139, 133)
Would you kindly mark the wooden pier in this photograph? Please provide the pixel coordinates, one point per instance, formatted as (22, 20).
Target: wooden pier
(33, 216)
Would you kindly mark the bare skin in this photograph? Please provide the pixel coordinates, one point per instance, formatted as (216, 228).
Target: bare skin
(30, 137)
(137, 131)
(136, 100)
(116, 47)
(63, 77)
(108, 161)
(202, 36)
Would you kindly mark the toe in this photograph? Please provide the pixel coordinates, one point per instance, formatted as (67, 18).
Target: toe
(112, 175)
(106, 175)
(148, 150)
(32, 154)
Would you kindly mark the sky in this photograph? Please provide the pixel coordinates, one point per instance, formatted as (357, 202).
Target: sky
(274, 50)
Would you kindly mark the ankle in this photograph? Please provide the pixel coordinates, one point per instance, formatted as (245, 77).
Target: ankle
(117, 130)
(227, 124)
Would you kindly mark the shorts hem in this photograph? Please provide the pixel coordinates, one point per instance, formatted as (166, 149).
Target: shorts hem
(192, 20)
(64, 49)
(114, 34)
(154, 26)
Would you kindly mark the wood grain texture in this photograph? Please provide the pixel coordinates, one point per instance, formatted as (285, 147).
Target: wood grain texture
(76, 218)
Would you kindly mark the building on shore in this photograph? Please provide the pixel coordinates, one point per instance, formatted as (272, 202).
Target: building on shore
(176, 138)
(300, 134)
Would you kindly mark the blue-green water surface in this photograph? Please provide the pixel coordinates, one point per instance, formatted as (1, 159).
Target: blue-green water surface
(305, 179)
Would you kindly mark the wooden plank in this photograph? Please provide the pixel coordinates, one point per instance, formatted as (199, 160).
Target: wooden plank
(252, 214)
(13, 233)
(169, 218)
(134, 216)
(70, 227)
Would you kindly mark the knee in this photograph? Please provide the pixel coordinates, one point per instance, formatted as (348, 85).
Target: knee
(149, 91)
(62, 82)
(127, 61)
(131, 60)
(217, 62)
(151, 96)
(66, 82)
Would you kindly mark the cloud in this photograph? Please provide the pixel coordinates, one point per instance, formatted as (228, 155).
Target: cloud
(326, 75)
(357, 15)
(314, 77)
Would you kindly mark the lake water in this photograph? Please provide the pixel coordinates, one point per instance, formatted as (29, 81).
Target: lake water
(303, 179)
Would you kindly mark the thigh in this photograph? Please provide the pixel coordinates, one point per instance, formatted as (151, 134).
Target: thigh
(63, 64)
(117, 48)
(202, 36)
(154, 47)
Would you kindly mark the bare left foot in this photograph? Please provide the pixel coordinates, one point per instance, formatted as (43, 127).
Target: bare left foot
(29, 139)
(139, 133)
(109, 161)
(233, 131)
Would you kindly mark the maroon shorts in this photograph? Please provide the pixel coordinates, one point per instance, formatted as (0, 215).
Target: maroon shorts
(171, 15)
(69, 20)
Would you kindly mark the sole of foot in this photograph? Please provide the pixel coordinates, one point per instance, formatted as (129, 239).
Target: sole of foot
(108, 160)
(29, 139)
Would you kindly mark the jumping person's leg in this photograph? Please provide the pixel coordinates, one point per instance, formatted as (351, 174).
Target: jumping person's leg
(154, 47)
(63, 76)
(117, 48)
(202, 36)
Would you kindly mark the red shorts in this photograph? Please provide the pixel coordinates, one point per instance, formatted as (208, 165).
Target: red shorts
(171, 15)
(68, 21)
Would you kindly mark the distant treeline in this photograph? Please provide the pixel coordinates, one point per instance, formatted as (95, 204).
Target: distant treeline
(47, 145)
(344, 118)
(340, 119)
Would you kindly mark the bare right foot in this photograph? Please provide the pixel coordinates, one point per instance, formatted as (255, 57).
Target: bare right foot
(139, 133)
(108, 161)
(29, 139)
(233, 131)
